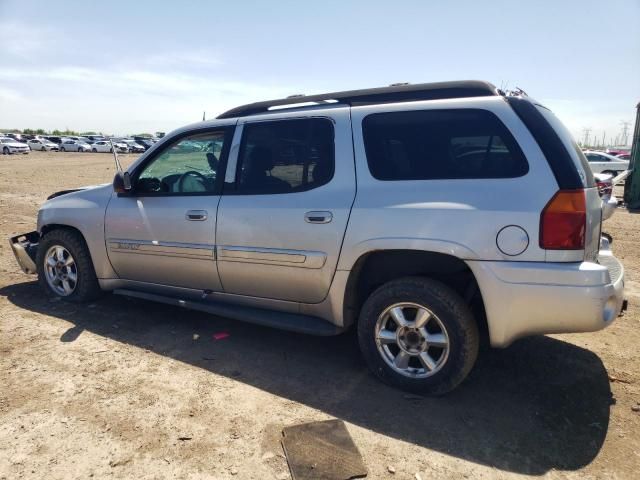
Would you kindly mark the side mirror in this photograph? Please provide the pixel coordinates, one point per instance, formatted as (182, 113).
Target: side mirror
(122, 182)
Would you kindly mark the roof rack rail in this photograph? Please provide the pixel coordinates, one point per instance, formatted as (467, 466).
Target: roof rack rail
(370, 96)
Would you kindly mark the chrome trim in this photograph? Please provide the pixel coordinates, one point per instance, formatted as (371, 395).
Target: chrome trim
(164, 249)
(274, 256)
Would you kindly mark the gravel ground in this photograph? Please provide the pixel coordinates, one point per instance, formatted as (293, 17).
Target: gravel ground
(130, 389)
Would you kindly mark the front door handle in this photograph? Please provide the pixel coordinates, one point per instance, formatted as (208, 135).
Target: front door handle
(196, 215)
(318, 217)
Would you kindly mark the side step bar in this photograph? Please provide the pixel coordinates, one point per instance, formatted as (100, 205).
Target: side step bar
(283, 320)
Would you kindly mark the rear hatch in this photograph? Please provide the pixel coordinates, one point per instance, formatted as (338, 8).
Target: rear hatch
(593, 202)
(571, 221)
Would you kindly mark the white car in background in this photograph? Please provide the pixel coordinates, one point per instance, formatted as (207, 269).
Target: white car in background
(103, 146)
(42, 144)
(69, 145)
(601, 162)
(9, 145)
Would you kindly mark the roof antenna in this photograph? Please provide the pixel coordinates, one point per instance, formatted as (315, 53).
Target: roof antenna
(115, 156)
(203, 116)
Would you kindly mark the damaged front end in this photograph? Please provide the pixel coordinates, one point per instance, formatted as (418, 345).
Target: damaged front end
(25, 248)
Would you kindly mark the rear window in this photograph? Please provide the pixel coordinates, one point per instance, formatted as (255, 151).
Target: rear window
(575, 152)
(441, 144)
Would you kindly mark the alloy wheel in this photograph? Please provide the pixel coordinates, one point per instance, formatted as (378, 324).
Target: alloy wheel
(412, 340)
(61, 270)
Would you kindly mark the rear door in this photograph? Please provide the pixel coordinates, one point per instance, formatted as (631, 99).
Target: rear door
(285, 207)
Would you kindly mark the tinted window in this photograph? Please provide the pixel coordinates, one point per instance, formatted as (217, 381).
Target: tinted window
(285, 156)
(441, 144)
(189, 165)
(592, 157)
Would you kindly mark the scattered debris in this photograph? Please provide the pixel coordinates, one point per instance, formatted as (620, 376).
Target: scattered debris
(184, 438)
(636, 408)
(208, 358)
(391, 469)
(418, 476)
(617, 379)
(220, 335)
(196, 336)
(322, 450)
(233, 471)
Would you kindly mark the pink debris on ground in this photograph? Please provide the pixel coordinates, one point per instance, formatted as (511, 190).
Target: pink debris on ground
(220, 335)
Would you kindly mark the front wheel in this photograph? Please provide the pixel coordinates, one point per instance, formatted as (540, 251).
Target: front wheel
(65, 268)
(5, 151)
(419, 335)
(62, 149)
(43, 149)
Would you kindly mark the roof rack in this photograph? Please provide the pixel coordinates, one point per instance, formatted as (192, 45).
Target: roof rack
(369, 96)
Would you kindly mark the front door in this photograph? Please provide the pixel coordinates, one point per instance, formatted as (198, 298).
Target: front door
(164, 231)
(282, 220)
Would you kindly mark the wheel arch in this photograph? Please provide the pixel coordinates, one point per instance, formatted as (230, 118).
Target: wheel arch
(376, 267)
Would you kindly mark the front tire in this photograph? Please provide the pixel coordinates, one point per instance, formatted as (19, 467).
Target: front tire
(43, 149)
(62, 149)
(419, 335)
(5, 151)
(65, 268)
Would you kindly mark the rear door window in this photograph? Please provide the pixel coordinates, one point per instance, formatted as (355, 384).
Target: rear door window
(441, 144)
(285, 156)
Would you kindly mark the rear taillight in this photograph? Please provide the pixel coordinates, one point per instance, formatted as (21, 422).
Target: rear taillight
(563, 221)
(604, 188)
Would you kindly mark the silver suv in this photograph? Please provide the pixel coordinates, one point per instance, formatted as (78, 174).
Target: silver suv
(426, 216)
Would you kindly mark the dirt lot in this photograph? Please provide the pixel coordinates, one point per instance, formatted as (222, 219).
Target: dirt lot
(123, 388)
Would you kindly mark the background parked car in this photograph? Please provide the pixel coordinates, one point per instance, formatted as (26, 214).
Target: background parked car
(16, 136)
(601, 162)
(132, 145)
(10, 145)
(105, 146)
(147, 143)
(42, 144)
(70, 145)
(54, 138)
(624, 156)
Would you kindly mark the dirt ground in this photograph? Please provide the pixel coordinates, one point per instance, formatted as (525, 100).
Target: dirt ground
(131, 389)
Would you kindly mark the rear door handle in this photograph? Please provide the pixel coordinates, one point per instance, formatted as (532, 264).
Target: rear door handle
(318, 217)
(196, 215)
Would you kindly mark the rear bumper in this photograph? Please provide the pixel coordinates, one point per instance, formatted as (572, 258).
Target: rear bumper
(25, 247)
(609, 205)
(529, 298)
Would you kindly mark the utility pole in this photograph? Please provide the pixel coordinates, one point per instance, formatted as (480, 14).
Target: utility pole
(625, 132)
(586, 132)
(603, 137)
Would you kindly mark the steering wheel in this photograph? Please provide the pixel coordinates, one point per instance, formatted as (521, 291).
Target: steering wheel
(192, 173)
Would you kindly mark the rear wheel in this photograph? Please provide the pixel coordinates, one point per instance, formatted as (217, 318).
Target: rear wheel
(419, 335)
(94, 150)
(65, 268)
(62, 149)
(5, 151)
(43, 149)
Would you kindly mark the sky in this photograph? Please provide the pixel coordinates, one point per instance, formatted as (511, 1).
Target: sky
(128, 67)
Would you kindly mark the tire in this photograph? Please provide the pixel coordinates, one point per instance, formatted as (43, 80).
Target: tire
(5, 151)
(94, 150)
(450, 322)
(62, 149)
(43, 149)
(85, 288)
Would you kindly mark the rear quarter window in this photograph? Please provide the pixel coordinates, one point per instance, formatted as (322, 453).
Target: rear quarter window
(441, 144)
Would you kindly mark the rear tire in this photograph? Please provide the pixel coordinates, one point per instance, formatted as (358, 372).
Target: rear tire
(441, 350)
(94, 150)
(62, 149)
(5, 151)
(79, 277)
(43, 149)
